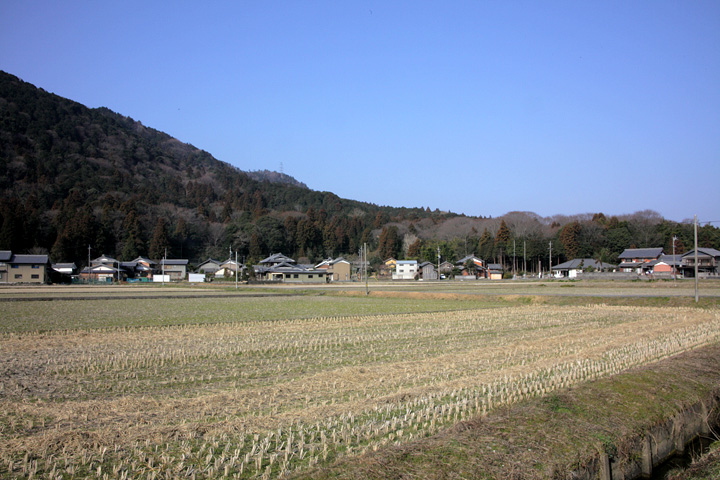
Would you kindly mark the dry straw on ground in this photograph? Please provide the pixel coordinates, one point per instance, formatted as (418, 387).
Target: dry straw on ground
(266, 398)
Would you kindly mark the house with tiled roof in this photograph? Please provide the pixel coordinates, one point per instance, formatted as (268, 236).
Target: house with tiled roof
(228, 268)
(428, 271)
(708, 262)
(632, 259)
(666, 264)
(209, 266)
(573, 268)
(478, 267)
(175, 268)
(21, 268)
(280, 268)
(387, 268)
(338, 269)
(495, 271)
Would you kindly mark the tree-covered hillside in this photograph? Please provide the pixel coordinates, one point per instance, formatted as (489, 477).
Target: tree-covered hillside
(73, 177)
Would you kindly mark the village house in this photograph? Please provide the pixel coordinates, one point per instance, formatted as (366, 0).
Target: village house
(477, 266)
(208, 267)
(495, 271)
(632, 259)
(20, 268)
(101, 269)
(708, 261)
(666, 265)
(405, 270)
(176, 269)
(428, 271)
(228, 269)
(143, 267)
(573, 268)
(337, 270)
(65, 268)
(387, 269)
(280, 268)
(446, 268)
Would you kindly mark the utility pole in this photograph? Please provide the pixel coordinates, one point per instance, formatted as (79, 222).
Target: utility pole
(365, 268)
(88, 267)
(438, 272)
(163, 267)
(550, 259)
(674, 262)
(514, 266)
(697, 298)
(236, 271)
(524, 260)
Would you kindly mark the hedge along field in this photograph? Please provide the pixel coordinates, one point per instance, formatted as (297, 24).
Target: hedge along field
(265, 398)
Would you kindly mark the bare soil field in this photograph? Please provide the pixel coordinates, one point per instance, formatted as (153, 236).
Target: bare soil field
(268, 387)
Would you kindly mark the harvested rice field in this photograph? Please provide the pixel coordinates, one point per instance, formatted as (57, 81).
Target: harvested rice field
(265, 388)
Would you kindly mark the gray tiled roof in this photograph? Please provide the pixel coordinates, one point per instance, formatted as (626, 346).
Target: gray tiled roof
(668, 259)
(210, 260)
(582, 263)
(29, 259)
(641, 253)
(64, 265)
(144, 259)
(175, 261)
(103, 259)
(5, 255)
(710, 252)
(277, 258)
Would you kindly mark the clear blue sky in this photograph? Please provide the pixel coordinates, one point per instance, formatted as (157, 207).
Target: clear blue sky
(478, 107)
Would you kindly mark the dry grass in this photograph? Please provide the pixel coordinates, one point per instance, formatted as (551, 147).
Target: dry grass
(265, 398)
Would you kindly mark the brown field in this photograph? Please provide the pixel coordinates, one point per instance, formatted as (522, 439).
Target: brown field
(243, 393)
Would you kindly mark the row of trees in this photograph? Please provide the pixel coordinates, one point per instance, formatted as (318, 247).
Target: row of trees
(126, 229)
(597, 237)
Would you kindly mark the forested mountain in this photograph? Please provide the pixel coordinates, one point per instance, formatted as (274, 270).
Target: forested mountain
(73, 177)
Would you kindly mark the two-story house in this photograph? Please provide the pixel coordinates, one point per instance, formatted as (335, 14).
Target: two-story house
(19, 268)
(708, 262)
(632, 259)
(405, 270)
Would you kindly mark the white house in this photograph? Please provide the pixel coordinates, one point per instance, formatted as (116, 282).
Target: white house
(405, 270)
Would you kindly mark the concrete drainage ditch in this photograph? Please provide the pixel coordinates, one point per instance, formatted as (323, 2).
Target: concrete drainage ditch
(661, 443)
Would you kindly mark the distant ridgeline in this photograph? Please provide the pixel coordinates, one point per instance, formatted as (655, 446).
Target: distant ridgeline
(71, 176)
